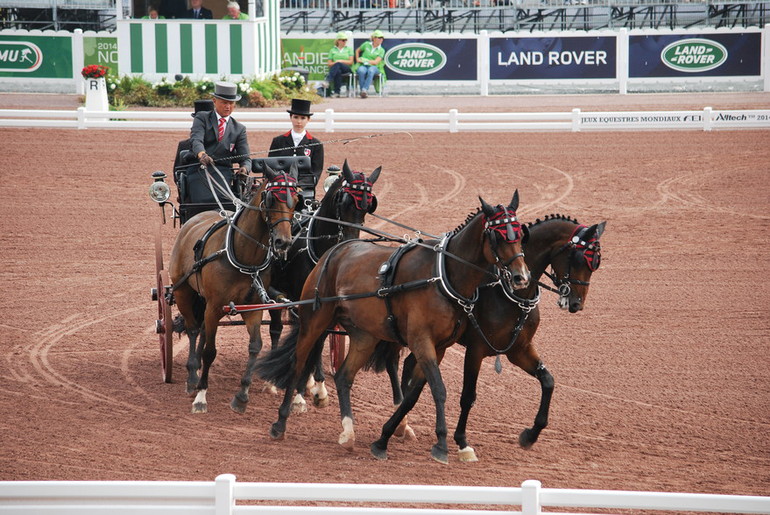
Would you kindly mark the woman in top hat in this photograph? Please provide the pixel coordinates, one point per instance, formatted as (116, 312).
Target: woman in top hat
(217, 138)
(340, 61)
(299, 142)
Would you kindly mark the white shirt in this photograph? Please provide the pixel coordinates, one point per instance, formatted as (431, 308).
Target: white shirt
(297, 137)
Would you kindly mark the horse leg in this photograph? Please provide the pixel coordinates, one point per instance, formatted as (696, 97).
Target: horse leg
(193, 359)
(208, 354)
(253, 322)
(471, 368)
(318, 387)
(529, 436)
(404, 430)
(379, 448)
(186, 298)
(343, 380)
(276, 327)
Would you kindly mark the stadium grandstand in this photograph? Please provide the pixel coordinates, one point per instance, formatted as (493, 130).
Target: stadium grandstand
(428, 16)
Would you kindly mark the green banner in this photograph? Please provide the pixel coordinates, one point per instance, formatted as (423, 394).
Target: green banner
(102, 51)
(310, 54)
(48, 57)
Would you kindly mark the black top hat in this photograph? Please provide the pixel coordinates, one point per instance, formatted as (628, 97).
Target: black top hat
(226, 91)
(299, 106)
(203, 105)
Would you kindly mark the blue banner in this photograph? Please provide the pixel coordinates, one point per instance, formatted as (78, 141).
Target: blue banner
(429, 58)
(552, 58)
(698, 55)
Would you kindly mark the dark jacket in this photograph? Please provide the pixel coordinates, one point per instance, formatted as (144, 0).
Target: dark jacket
(205, 14)
(309, 146)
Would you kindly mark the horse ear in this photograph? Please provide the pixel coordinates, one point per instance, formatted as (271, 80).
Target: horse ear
(375, 175)
(524, 234)
(270, 173)
(347, 172)
(488, 210)
(514, 205)
(595, 231)
(600, 228)
(293, 170)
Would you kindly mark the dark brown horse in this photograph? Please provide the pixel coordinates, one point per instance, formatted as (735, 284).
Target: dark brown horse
(506, 321)
(416, 295)
(348, 200)
(217, 261)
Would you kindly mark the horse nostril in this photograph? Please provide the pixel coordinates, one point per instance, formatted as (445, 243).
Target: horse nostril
(280, 243)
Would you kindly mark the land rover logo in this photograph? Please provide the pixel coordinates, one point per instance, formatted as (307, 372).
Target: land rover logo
(694, 55)
(19, 56)
(415, 59)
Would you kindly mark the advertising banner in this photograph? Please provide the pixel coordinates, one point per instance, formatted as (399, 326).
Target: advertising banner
(552, 58)
(42, 57)
(101, 50)
(429, 58)
(695, 55)
(310, 54)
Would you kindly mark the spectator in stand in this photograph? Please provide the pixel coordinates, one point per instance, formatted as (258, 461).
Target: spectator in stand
(340, 61)
(370, 62)
(152, 14)
(198, 12)
(234, 12)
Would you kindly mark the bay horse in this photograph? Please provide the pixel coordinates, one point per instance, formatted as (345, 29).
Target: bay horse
(506, 321)
(348, 200)
(218, 260)
(416, 294)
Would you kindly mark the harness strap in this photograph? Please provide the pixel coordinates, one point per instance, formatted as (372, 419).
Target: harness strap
(387, 276)
(198, 253)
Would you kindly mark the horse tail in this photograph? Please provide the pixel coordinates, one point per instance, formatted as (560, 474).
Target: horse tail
(277, 366)
(384, 353)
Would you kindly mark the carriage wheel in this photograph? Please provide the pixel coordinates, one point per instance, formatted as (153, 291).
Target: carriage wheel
(164, 327)
(337, 349)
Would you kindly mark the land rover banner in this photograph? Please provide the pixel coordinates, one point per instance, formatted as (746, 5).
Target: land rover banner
(581, 57)
(429, 58)
(695, 55)
(42, 57)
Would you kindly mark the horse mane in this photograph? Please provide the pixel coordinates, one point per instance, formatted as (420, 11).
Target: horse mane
(468, 218)
(553, 216)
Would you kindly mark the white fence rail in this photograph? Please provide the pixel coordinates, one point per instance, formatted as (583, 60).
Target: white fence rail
(225, 496)
(452, 121)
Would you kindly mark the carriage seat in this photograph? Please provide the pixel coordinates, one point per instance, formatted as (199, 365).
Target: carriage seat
(306, 179)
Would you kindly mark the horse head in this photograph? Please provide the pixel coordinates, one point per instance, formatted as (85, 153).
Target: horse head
(355, 198)
(574, 263)
(506, 236)
(279, 198)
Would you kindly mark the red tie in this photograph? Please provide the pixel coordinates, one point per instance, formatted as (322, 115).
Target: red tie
(221, 128)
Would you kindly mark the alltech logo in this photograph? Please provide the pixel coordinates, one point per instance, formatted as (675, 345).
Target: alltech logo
(415, 59)
(19, 56)
(694, 55)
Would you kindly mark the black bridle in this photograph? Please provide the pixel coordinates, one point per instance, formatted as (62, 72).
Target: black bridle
(577, 247)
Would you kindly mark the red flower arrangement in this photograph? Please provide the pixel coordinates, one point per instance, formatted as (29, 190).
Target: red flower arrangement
(94, 71)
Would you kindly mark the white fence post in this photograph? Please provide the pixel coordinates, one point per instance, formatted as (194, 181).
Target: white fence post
(224, 501)
(329, 122)
(576, 120)
(530, 497)
(453, 120)
(707, 118)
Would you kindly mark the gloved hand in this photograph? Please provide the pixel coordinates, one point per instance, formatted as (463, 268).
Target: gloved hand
(242, 171)
(206, 160)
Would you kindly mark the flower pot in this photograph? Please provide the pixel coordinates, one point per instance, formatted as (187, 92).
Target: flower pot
(96, 95)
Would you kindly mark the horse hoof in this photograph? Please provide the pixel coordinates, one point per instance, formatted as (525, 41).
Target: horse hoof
(191, 389)
(527, 439)
(467, 455)
(238, 406)
(200, 407)
(378, 452)
(270, 388)
(347, 441)
(439, 455)
(299, 407)
(405, 434)
(320, 403)
(276, 434)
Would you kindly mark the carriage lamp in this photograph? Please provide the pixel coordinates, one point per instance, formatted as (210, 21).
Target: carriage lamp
(333, 172)
(159, 190)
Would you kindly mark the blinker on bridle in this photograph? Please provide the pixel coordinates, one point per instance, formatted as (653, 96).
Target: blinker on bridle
(507, 226)
(360, 190)
(591, 252)
(281, 190)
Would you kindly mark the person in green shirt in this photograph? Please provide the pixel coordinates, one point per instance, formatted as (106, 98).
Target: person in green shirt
(339, 62)
(152, 14)
(370, 60)
(234, 12)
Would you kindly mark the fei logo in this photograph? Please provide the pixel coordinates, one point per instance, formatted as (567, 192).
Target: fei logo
(694, 55)
(415, 59)
(20, 56)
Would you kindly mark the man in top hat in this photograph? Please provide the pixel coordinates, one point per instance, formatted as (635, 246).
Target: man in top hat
(218, 139)
(299, 142)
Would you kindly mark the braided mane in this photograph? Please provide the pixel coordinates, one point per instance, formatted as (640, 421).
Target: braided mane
(468, 218)
(553, 216)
